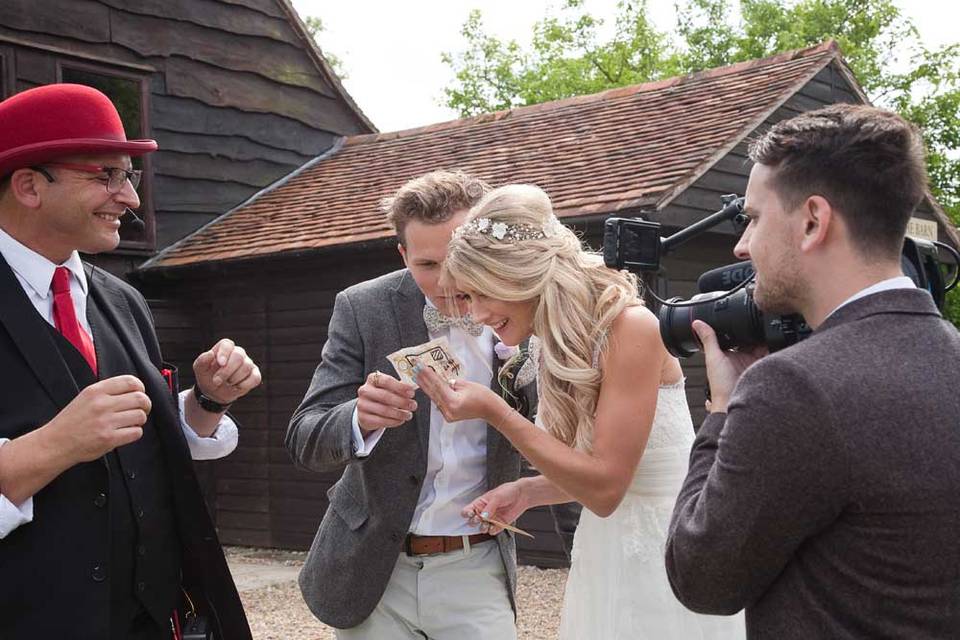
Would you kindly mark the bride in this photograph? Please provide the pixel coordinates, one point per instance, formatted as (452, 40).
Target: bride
(615, 431)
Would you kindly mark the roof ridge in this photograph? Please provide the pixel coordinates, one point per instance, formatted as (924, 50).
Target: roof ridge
(614, 92)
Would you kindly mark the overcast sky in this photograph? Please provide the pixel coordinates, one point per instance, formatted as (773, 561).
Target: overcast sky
(391, 50)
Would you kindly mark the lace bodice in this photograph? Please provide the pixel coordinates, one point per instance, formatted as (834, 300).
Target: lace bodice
(672, 425)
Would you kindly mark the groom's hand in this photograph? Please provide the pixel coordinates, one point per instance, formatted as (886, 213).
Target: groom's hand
(384, 402)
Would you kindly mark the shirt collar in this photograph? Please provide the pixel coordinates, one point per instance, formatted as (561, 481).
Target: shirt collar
(899, 282)
(36, 270)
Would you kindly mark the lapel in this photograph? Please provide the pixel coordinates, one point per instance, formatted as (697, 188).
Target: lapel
(32, 337)
(408, 304)
(115, 309)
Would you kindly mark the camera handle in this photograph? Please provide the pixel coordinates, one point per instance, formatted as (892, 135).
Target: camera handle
(732, 210)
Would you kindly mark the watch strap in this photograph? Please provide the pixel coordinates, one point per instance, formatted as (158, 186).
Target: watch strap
(207, 403)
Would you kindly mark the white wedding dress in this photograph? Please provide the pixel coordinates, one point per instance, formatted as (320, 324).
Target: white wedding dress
(617, 588)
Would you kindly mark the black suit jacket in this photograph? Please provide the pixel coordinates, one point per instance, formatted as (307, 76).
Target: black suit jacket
(36, 386)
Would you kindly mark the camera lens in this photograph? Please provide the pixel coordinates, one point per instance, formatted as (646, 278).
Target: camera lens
(736, 320)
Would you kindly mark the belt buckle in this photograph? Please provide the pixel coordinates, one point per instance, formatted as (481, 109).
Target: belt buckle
(407, 547)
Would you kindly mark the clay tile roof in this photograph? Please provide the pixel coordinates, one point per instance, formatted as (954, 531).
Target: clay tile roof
(597, 154)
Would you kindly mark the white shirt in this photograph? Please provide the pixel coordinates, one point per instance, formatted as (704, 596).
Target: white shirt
(35, 274)
(899, 282)
(456, 471)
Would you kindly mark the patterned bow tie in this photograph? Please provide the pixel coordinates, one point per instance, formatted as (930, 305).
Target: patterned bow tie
(436, 321)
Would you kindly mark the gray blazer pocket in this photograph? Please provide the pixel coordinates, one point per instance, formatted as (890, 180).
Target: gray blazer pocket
(344, 504)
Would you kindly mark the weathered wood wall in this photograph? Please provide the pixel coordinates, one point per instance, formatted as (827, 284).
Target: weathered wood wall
(234, 98)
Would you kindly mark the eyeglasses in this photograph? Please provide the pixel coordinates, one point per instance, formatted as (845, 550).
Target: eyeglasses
(116, 177)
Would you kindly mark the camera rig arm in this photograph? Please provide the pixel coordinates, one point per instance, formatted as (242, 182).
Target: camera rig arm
(732, 210)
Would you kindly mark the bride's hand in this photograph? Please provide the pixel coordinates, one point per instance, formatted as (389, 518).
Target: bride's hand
(459, 399)
(505, 503)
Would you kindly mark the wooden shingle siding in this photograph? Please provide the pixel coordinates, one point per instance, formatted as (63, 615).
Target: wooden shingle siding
(187, 116)
(236, 99)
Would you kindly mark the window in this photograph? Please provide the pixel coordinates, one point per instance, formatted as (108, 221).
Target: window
(6, 73)
(129, 93)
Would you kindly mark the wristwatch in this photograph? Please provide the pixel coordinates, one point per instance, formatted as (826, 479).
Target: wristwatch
(208, 404)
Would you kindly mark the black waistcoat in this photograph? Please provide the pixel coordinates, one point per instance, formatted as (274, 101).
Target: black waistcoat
(103, 545)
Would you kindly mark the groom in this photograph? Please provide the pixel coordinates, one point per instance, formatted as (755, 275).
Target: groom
(394, 558)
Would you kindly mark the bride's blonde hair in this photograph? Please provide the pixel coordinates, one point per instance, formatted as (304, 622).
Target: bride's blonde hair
(512, 248)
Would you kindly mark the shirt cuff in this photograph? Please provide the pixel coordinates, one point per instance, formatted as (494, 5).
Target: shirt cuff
(362, 447)
(219, 444)
(12, 516)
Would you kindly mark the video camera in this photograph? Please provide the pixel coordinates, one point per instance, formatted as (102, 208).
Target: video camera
(725, 301)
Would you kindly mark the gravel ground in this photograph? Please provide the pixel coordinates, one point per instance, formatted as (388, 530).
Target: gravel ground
(277, 611)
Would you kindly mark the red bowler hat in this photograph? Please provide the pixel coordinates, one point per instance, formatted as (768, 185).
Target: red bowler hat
(56, 120)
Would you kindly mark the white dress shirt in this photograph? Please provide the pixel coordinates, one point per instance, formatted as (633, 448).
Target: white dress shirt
(35, 274)
(456, 471)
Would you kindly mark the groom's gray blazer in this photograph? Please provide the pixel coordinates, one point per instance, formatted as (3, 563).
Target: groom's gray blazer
(371, 507)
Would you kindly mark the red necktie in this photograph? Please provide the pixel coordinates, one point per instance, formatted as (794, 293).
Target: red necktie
(65, 318)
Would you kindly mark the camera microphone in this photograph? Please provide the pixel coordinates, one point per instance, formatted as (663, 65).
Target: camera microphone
(137, 223)
(725, 277)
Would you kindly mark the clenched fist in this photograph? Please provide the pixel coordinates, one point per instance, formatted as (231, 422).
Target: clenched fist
(104, 416)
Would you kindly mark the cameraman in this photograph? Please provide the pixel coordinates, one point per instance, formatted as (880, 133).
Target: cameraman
(823, 493)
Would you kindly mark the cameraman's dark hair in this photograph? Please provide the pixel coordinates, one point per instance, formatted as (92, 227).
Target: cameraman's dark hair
(868, 162)
(432, 198)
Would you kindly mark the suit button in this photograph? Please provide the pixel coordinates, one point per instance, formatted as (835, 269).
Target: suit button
(395, 537)
(132, 475)
(140, 513)
(141, 587)
(414, 479)
(98, 574)
(101, 500)
(141, 550)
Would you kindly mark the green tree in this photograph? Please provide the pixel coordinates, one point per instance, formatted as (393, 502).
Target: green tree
(315, 28)
(568, 56)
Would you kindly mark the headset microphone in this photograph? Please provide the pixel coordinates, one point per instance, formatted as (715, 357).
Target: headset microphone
(137, 223)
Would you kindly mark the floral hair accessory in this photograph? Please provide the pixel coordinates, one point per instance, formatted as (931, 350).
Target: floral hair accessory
(509, 232)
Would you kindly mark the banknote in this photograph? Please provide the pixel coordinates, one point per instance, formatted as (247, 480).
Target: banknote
(435, 354)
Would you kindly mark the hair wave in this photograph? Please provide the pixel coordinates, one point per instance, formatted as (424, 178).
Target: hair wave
(577, 299)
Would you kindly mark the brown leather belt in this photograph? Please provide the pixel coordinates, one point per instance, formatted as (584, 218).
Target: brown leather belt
(415, 545)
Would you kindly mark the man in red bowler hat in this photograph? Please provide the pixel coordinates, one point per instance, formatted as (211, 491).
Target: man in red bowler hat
(103, 529)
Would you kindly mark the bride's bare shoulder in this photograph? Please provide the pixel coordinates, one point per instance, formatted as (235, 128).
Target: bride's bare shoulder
(635, 323)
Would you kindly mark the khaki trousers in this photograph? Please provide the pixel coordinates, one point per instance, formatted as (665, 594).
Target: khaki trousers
(449, 596)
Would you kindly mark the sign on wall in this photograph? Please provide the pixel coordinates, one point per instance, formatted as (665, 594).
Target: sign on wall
(922, 229)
